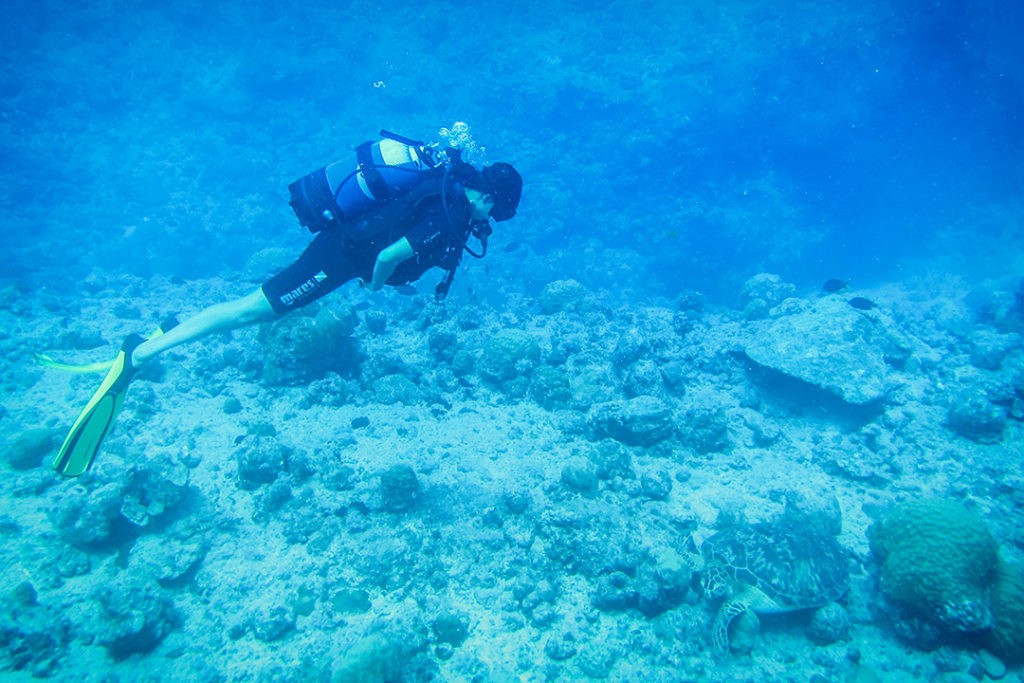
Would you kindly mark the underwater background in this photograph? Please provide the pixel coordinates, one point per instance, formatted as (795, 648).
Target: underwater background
(521, 483)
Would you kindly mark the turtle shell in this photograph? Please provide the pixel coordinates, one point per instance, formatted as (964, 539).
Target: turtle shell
(795, 565)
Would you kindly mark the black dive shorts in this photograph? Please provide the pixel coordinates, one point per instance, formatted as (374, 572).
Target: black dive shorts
(326, 264)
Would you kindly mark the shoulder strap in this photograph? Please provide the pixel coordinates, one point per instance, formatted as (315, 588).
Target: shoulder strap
(371, 174)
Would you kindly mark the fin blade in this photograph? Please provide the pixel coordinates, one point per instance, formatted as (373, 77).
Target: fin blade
(94, 422)
(48, 362)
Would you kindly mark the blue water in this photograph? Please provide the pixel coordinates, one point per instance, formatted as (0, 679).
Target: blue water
(145, 152)
(714, 139)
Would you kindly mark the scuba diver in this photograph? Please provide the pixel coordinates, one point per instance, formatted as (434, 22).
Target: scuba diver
(404, 208)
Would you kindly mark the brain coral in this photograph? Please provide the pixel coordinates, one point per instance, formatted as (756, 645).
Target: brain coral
(937, 559)
(1007, 635)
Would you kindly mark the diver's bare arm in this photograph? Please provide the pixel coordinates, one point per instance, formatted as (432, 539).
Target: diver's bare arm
(387, 260)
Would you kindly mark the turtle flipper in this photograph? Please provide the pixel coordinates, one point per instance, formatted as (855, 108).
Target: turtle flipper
(729, 610)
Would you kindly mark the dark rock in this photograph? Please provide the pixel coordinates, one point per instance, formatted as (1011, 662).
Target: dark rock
(442, 344)
(830, 624)
(450, 628)
(302, 349)
(400, 489)
(29, 448)
(517, 501)
(560, 648)
(351, 601)
(656, 484)
(591, 544)
(614, 592)
(612, 460)
(973, 417)
(272, 499)
(376, 321)
(947, 660)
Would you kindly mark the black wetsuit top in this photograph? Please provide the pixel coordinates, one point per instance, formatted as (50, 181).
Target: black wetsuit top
(333, 258)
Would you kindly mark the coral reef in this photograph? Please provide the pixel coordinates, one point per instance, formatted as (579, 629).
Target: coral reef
(936, 561)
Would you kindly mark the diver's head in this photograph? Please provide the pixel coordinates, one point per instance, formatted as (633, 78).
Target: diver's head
(500, 186)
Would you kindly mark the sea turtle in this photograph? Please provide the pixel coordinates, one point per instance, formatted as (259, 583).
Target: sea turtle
(770, 567)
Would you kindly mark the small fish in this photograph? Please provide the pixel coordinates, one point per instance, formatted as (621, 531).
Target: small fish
(862, 304)
(832, 286)
(512, 246)
(362, 305)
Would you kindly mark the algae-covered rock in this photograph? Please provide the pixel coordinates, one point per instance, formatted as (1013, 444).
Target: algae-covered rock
(550, 387)
(832, 346)
(136, 617)
(509, 356)
(562, 295)
(768, 288)
(937, 560)
(87, 517)
(704, 427)
(640, 421)
(303, 349)
(1007, 601)
(396, 388)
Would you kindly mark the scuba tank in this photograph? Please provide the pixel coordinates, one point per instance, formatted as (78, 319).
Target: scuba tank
(337, 194)
(359, 200)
